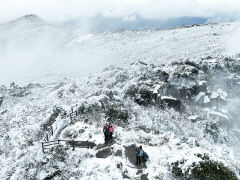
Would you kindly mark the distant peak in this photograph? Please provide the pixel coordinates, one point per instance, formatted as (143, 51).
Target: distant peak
(29, 19)
(30, 16)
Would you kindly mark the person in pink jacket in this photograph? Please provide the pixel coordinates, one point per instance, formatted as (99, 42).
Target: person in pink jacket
(111, 129)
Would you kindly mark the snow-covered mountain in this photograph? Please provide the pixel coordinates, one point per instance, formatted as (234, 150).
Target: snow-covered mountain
(78, 53)
(175, 92)
(27, 21)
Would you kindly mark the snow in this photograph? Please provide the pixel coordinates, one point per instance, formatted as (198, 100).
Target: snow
(79, 55)
(206, 100)
(202, 82)
(168, 97)
(214, 95)
(199, 96)
(163, 148)
(166, 135)
(219, 114)
(58, 126)
(194, 117)
(156, 89)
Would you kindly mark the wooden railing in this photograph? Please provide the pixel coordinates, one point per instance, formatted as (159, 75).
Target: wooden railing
(74, 111)
(49, 144)
(80, 144)
(46, 144)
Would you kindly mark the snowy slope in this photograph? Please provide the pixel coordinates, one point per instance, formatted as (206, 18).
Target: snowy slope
(165, 134)
(36, 46)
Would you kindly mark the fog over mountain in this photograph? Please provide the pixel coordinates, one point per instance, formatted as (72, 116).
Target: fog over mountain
(29, 45)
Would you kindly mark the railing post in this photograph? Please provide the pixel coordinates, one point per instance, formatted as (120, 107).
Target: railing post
(73, 145)
(43, 148)
(51, 129)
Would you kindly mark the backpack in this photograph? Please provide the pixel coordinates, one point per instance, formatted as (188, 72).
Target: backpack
(145, 156)
(104, 129)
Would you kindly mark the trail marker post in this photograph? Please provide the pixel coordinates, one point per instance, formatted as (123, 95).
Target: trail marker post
(74, 111)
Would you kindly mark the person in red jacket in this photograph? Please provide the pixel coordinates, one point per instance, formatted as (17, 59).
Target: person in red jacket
(111, 129)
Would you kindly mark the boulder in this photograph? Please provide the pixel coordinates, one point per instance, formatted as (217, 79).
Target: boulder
(144, 177)
(82, 144)
(171, 102)
(106, 144)
(172, 91)
(104, 153)
(144, 96)
(70, 133)
(51, 176)
(33, 85)
(130, 153)
(1, 100)
(118, 153)
(194, 118)
(3, 112)
(139, 171)
(19, 92)
(125, 176)
(119, 165)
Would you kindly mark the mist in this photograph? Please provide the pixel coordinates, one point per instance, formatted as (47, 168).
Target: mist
(232, 41)
(31, 53)
(32, 50)
(65, 40)
(59, 11)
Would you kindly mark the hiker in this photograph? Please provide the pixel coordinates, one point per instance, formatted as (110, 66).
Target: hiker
(111, 129)
(145, 156)
(139, 154)
(106, 132)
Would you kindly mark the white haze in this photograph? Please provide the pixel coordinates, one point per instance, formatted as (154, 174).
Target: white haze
(233, 42)
(56, 11)
(35, 54)
(46, 53)
(42, 53)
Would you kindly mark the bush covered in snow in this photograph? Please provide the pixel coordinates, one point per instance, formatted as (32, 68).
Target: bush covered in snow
(204, 169)
(116, 113)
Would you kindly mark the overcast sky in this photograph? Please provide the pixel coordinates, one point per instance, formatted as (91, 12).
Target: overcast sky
(63, 10)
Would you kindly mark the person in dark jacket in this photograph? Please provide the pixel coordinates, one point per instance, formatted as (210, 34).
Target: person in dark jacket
(140, 153)
(145, 156)
(138, 156)
(106, 132)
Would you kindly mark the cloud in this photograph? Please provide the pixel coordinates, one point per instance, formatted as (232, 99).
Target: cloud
(63, 10)
(232, 41)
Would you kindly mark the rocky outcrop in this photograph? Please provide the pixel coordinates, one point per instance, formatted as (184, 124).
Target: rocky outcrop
(104, 153)
(171, 102)
(82, 144)
(1, 100)
(118, 153)
(130, 153)
(56, 112)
